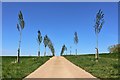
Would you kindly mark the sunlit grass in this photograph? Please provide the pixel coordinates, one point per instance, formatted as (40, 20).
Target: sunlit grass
(11, 69)
(106, 67)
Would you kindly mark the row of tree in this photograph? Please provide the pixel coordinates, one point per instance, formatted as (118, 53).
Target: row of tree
(46, 40)
(99, 21)
(64, 48)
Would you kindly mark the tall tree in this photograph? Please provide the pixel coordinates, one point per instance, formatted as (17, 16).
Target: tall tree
(63, 49)
(51, 47)
(76, 40)
(45, 41)
(39, 40)
(20, 27)
(98, 26)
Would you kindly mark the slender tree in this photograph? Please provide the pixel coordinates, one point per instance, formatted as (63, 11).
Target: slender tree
(98, 26)
(39, 40)
(20, 27)
(51, 47)
(76, 40)
(45, 41)
(63, 49)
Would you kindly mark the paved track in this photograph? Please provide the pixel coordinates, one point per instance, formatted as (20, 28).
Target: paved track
(59, 67)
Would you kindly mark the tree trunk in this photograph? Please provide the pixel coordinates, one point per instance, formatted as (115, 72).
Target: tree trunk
(97, 52)
(18, 57)
(45, 52)
(39, 51)
(53, 55)
(76, 51)
(70, 52)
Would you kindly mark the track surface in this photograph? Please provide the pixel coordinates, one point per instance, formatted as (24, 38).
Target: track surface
(59, 67)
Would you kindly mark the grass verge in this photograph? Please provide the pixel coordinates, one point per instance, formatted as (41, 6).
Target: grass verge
(106, 67)
(11, 69)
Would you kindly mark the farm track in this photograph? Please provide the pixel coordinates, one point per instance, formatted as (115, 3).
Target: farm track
(59, 67)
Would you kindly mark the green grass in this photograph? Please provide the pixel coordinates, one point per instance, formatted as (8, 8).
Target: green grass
(106, 67)
(10, 69)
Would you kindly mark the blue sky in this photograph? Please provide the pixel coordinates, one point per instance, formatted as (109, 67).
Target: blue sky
(0, 28)
(59, 21)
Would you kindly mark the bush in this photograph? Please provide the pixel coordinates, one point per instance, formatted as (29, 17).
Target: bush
(114, 48)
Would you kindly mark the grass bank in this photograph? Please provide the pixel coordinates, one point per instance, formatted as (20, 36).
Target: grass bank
(10, 69)
(106, 67)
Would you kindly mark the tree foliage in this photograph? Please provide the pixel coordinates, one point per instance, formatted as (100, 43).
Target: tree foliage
(114, 48)
(47, 42)
(51, 47)
(21, 20)
(63, 49)
(99, 21)
(39, 37)
(75, 38)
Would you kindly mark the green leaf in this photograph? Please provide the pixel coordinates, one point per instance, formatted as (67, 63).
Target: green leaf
(18, 27)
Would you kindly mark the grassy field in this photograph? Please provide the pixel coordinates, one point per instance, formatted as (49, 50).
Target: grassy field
(106, 67)
(10, 69)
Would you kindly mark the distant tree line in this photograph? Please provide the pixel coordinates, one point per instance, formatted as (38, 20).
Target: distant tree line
(114, 48)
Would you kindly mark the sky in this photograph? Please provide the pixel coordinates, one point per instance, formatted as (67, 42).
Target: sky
(0, 28)
(59, 20)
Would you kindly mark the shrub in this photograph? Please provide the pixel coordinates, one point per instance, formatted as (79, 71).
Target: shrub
(114, 48)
